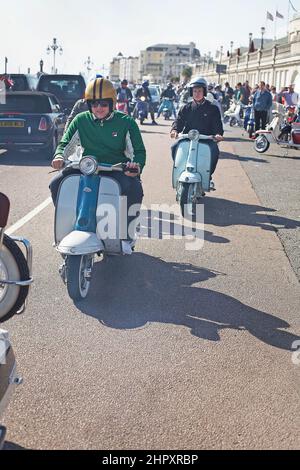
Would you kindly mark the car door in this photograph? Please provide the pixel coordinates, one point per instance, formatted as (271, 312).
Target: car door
(59, 118)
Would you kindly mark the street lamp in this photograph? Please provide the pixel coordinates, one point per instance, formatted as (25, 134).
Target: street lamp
(89, 65)
(250, 40)
(54, 46)
(231, 46)
(263, 30)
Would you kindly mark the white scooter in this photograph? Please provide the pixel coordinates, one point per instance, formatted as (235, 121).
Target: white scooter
(233, 114)
(90, 218)
(272, 133)
(192, 171)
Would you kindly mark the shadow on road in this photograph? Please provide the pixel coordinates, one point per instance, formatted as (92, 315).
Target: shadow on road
(23, 159)
(11, 446)
(128, 293)
(231, 156)
(224, 213)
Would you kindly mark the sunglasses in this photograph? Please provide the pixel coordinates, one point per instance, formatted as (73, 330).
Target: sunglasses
(102, 104)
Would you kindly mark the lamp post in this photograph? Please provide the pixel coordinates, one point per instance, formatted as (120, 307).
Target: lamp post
(262, 30)
(231, 47)
(5, 65)
(221, 54)
(41, 65)
(250, 40)
(89, 65)
(54, 46)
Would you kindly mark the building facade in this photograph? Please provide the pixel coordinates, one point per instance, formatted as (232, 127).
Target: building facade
(278, 63)
(161, 62)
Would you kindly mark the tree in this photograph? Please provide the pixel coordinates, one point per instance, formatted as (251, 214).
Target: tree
(187, 73)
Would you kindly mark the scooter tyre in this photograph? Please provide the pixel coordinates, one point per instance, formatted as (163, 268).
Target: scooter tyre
(261, 144)
(17, 269)
(184, 201)
(74, 278)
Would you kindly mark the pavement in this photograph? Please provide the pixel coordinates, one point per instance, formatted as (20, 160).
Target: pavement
(172, 349)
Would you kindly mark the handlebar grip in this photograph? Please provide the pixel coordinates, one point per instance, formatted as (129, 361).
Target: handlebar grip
(129, 170)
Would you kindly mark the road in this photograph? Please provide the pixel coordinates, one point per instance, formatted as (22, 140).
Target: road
(173, 349)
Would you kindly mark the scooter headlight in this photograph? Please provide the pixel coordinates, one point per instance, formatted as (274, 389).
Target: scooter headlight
(88, 166)
(194, 134)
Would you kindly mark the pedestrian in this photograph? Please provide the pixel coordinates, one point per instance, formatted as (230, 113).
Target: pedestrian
(262, 102)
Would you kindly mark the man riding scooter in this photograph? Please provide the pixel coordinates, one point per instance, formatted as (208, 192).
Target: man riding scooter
(144, 92)
(169, 93)
(109, 135)
(124, 97)
(200, 115)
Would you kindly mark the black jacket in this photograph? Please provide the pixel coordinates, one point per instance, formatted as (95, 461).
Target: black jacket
(205, 117)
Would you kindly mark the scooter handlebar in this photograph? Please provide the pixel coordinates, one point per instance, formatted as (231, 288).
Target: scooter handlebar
(201, 137)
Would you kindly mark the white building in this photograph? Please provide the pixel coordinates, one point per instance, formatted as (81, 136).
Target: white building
(161, 62)
(277, 63)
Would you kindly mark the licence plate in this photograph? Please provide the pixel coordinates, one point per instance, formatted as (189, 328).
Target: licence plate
(11, 124)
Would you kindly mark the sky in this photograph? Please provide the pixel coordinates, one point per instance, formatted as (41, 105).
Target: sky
(101, 29)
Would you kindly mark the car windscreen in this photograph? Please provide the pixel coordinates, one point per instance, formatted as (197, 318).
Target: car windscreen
(154, 92)
(19, 83)
(68, 89)
(26, 104)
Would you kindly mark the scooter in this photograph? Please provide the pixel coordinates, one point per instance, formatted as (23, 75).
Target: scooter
(191, 176)
(89, 221)
(141, 109)
(122, 106)
(15, 279)
(233, 114)
(274, 134)
(167, 108)
(249, 121)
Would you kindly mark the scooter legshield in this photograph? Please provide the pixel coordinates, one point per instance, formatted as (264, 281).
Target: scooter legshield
(203, 162)
(66, 207)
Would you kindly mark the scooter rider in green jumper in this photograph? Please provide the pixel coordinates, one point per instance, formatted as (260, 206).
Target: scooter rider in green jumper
(110, 136)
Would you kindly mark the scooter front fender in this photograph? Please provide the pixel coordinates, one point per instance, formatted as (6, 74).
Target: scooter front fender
(80, 243)
(188, 177)
(268, 135)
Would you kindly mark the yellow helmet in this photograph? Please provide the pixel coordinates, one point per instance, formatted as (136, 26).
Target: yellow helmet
(101, 89)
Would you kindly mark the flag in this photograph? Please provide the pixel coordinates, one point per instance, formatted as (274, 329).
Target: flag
(279, 15)
(293, 6)
(269, 16)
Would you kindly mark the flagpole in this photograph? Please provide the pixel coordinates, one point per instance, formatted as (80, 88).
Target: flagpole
(275, 23)
(288, 19)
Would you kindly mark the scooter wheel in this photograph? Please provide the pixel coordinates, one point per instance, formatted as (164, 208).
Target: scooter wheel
(187, 206)
(13, 266)
(261, 144)
(77, 283)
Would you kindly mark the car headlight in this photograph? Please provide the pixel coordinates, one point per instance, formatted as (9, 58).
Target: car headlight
(88, 166)
(194, 134)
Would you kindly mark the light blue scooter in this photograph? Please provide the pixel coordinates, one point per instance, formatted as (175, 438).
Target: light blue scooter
(192, 171)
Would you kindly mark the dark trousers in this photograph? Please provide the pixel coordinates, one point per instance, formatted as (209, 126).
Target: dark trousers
(130, 187)
(260, 119)
(215, 153)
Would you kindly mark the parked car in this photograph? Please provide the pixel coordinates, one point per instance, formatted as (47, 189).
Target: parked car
(22, 81)
(155, 95)
(31, 120)
(67, 88)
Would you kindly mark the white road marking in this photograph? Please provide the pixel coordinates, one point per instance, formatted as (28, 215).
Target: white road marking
(28, 217)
